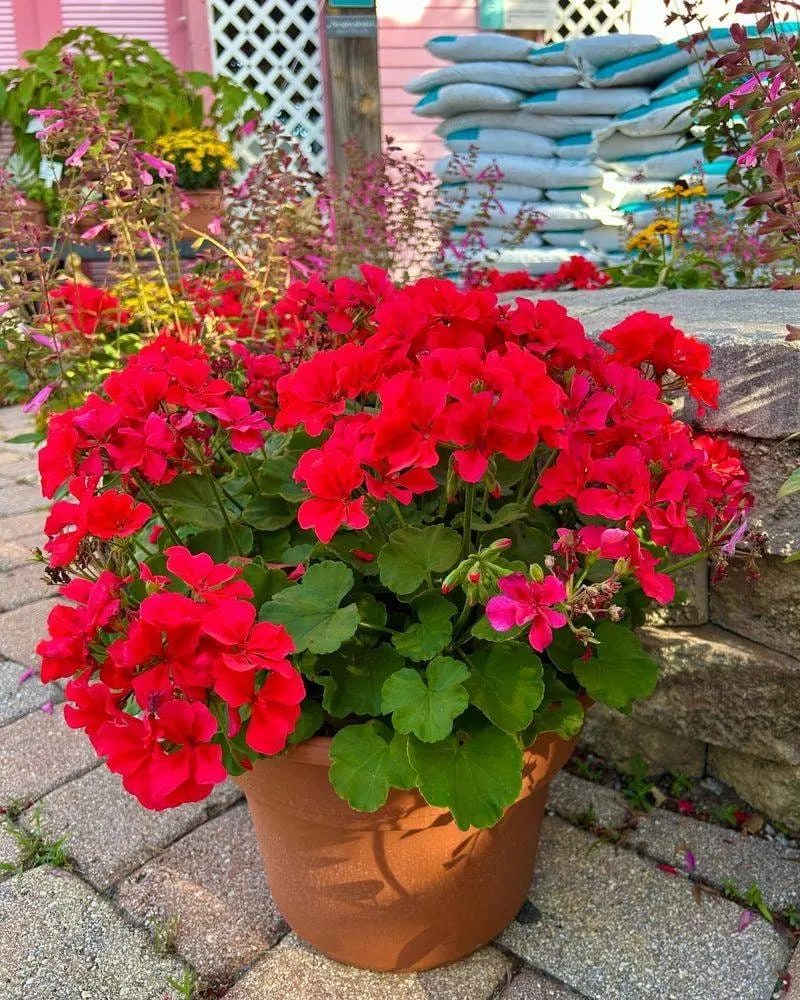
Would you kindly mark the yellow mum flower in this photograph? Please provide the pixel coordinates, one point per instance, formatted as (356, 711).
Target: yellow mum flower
(664, 227)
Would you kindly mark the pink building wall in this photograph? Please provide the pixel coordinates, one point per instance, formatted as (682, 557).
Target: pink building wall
(403, 28)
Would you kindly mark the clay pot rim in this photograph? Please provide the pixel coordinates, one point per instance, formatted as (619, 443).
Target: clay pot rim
(316, 750)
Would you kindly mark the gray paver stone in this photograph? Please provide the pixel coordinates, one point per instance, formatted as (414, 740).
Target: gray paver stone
(38, 753)
(720, 855)
(19, 553)
(21, 525)
(572, 797)
(21, 630)
(17, 699)
(61, 941)
(613, 927)
(582, 304)
(21, 498)
(535, 986)
(212, 881)
(9, 849)
(24, 585)
(109, 832)
(793, 993)
(293, 970)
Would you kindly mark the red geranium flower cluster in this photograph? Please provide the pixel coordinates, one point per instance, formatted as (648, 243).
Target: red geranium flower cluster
(575, 273)
(149, 428)
(162, 683)
(85, 310)
(449, 370)
(228, 299)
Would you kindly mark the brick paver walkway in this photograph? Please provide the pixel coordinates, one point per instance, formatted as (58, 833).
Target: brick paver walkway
(177, 897)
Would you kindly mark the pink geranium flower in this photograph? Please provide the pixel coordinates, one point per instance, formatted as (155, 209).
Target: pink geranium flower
(525, 601)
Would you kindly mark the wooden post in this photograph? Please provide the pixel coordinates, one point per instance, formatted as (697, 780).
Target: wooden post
(352, 83)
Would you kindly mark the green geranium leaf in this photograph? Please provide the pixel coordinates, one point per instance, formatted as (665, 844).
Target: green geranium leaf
(346, 544)
(507, 685)
(310, 611)
(218, 544)
(619, 671)
(269, 513)
(366, 761)
(354, 681)
(191, 500)
(266, 583)
(483, 630)
(427, 706)
(311, 719)
(476, 778)
(413, 554)
(276, 480)
(564, 650)
(507, 514)
(427, 637)
(560, 711)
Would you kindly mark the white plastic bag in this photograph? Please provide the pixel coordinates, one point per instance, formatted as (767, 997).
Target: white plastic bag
(497, 140)
(456, 98)
(503, 191)
(660, 166)
(484, 46)
(624, 192)
(575, 147)
(688, 78)
(582, 101)
(595, 51)
(530, 170)
(552, 126)
(494, 237)
(670, 114)
(554, 216)
(570, 196)
(608, 239)
(519, 76)
(619, 146)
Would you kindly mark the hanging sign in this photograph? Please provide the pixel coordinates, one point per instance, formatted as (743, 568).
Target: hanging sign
(352, 26)
(497, 15)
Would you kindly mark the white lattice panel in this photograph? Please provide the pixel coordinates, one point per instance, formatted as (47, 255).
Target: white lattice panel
(591, 17)
(273, 46)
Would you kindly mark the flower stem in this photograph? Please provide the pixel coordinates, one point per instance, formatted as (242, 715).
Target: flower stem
(378, 628)
(525, 474)
(683, 563)
(173, 534)
(225, 516)
(469, 504)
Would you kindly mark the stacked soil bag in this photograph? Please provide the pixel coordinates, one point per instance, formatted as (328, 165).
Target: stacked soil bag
(584, 132)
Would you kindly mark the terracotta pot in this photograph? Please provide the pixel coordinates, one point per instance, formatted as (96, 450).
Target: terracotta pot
(34, 214)
(403, 888)
(205, 206)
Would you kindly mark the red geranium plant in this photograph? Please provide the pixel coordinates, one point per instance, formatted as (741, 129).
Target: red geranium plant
(426, 540)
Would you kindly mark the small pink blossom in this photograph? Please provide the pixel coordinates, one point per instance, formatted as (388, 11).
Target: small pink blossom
(215, 226)
(743, 89)
(47, 708)
(247, 128)
(689, 862)
(92, 231)
(525, 601)
(75, 159)
(745, 920)
(26, 675)
(38, 401)
(163, 168)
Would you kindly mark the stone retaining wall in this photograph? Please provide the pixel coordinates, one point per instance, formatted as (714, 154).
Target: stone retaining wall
(728, 702)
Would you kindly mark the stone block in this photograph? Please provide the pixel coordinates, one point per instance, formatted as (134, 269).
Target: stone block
(586, 305)
(212, 883)
(721, 854)
(535, 986)
(770, 464)
(614, 927)
(724, 690)
(9, 850)
(24, 585)
(17, 698)
(769, 786)
(692, 606)
(619, 738)
(293, 970)
(571, 798)
(21, 525)
(21, 498)
(766, 610)
(19, 553)
(38, 753)
(109, 832)
(61, 941)
(21, 630)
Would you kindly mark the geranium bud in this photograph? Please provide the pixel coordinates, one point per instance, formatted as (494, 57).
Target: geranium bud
(537, 572)
(500, 544)
(474, 576)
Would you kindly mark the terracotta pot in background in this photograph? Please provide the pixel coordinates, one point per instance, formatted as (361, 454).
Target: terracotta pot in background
(35, 214)
(205, 206)
(403, 888)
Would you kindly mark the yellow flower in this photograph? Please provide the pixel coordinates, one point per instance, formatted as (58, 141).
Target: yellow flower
(664, 227)
(642, 241)
(198, 150)
(681, 189)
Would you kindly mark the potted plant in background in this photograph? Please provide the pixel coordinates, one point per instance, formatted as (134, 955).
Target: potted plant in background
(378, 586)
(200, 158)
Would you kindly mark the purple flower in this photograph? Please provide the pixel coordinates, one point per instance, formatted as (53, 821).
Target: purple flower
(75, 159)
(46, 341)
(25, 675)
(215, 226)
(92, 231)
(163, 168)
(248, 128)
(744, 88)
(47, 708)
(689, 862)
(41, 397)
(729, 548)
(745, 920)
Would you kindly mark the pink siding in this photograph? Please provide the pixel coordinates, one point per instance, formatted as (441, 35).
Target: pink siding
(403, 28)
(145, 19)
(8, 36)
